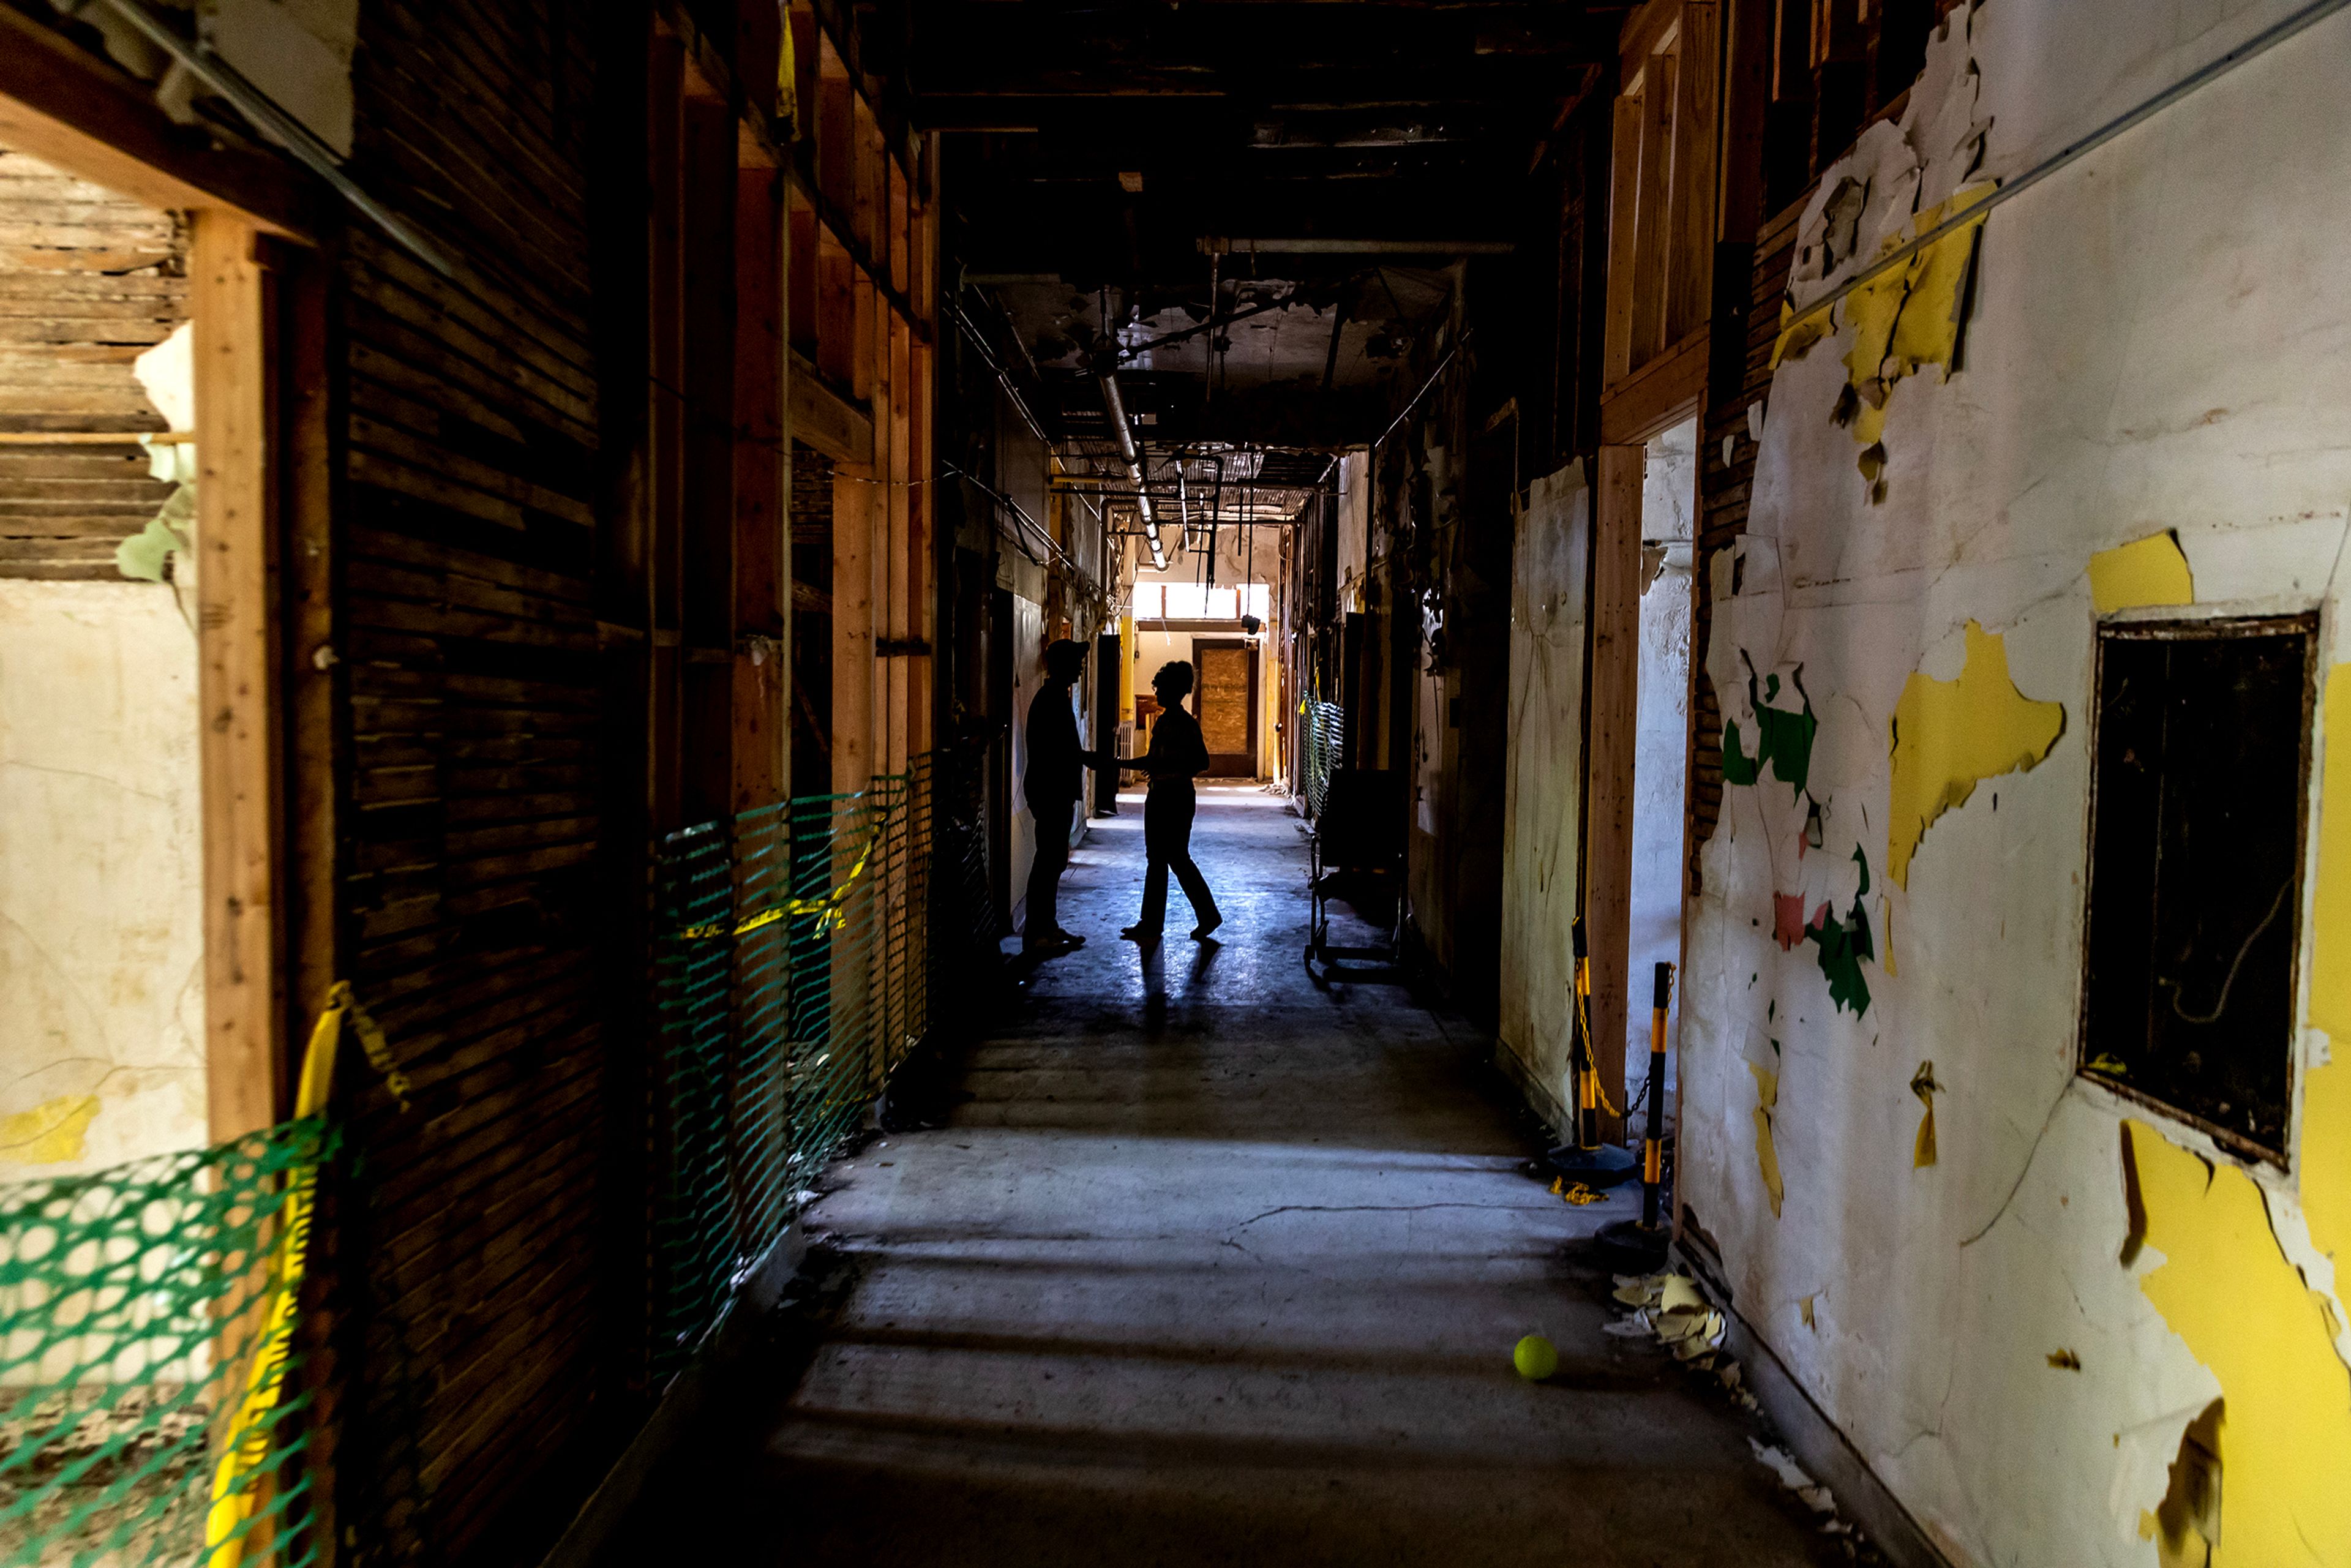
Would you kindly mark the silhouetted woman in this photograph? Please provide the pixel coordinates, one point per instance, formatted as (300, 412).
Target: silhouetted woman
(1177, 756)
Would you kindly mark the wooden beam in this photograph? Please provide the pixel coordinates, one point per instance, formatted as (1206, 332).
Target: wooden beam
(68, 107)
(1612, 747)
(237, 684)
(1660, 394)
(823, 419)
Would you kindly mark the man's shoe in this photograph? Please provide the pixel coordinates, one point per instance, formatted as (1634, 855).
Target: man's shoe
(1048, 947)
(1207, 928)
(1141, 932)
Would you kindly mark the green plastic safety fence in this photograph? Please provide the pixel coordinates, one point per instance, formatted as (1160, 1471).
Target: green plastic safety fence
(132, 1304)
(791, 977)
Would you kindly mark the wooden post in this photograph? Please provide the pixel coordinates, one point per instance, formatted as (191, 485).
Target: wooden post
(1613, 741)
(922, 398)
(665, 140)
(237, 681)
(762, 684)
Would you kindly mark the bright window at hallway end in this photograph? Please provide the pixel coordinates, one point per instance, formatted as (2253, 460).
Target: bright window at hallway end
(1196, 602)
(2200, 755)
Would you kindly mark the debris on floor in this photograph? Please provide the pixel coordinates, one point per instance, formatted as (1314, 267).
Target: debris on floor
(1794, 1476)
(1578, 1195)
(1670, 1309)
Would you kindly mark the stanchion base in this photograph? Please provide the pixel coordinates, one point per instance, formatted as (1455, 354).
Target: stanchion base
(1601, 1166)
(1634, 1244)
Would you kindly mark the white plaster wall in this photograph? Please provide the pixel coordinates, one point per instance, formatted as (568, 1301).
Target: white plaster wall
(1661, 737)
(1543, 799)
(2162, 339)
(101, 915)
(1028, 678)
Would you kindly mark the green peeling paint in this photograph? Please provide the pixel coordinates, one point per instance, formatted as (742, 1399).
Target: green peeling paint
(1843, 945)
(1783, 740)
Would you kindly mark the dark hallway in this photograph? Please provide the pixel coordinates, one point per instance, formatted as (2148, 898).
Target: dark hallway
(1212, 1267)
(573, 577)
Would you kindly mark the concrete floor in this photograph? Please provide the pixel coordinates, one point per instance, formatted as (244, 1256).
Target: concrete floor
(1212, 1267)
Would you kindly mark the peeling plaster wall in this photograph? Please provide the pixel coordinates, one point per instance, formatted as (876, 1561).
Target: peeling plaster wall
(299, 52)
(1542, 795)
(102, 913)
(2159, 339)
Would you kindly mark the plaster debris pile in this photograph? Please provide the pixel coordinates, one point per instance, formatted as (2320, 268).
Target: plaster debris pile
(1808, 1492)
(1669, 1307)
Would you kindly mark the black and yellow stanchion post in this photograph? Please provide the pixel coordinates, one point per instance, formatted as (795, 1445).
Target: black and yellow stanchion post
(1647, 1238)
(1586, 1159)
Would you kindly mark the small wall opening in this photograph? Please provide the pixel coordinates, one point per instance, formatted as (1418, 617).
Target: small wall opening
(101, 856)
(2201, 756)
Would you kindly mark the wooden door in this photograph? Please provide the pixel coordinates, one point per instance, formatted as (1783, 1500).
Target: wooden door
(1225, 703)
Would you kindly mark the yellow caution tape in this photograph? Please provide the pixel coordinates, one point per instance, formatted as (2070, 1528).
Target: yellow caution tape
(236, 1492)
(827, 907)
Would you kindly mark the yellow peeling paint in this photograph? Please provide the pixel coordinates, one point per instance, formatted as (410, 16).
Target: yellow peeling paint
(1951, 735)
(2143, 572)
(2190, 1550)
(1766, 1155)
(49, 1133)
(1902, 321)
(2324, 1158)
(1922, 1148)
(2229, 1291)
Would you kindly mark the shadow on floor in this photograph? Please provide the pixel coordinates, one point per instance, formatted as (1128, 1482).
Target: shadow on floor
(1201, 1264)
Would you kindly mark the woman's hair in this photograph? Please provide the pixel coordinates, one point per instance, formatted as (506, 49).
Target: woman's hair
(1176, 673)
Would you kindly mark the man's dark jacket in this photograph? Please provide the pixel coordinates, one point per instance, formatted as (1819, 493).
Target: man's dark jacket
(1057, 761)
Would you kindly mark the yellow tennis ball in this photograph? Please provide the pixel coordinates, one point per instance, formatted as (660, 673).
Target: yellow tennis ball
(1536, 1358)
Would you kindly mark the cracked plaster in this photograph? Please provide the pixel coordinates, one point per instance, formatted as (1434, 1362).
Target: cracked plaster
(100, 898)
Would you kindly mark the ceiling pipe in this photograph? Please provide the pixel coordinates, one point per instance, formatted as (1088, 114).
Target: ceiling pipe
(1226, 244)
(1107, 373)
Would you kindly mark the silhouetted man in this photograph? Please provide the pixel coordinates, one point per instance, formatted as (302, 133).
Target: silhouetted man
(1177, 756)
(1053, 783)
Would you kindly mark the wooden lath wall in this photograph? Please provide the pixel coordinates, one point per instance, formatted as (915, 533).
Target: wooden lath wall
(468, 519)
(88, 280)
